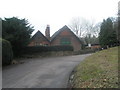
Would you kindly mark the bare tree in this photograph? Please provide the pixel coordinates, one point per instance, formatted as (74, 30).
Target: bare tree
(77, 24)
(96, 29)
(83, 27)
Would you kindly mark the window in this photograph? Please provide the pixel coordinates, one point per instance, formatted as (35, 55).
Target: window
(65, 41)
(37, 44)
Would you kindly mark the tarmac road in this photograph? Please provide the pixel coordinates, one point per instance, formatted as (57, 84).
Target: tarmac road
(50, 72)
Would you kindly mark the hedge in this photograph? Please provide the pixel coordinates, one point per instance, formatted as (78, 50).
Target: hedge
(39, 49)
(7, 53)
(85, 51)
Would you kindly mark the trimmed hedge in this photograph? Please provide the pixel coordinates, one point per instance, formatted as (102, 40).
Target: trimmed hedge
(7, 53)
(39, 49)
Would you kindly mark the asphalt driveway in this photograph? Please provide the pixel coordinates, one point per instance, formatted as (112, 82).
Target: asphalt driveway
(41, 73)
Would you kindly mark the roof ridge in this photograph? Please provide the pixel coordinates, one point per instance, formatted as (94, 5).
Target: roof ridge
(57, 32)
(41, 34)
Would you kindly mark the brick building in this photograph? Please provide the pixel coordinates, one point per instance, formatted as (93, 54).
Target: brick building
(63, 36)
(39, 39)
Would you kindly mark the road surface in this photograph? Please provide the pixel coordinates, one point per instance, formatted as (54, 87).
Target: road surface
(50, 72)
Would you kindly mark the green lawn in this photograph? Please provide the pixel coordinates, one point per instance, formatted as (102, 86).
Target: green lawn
(99, 70)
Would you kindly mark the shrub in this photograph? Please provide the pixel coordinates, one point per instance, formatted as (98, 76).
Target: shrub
(7, 54)
(39, 49)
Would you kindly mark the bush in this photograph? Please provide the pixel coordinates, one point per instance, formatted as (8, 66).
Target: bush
(39, 49)
(7, 54)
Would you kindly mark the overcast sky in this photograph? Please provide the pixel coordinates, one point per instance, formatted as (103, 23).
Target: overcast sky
(57, 13)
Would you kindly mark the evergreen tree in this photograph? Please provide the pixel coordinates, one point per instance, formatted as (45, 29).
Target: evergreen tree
(107, 35)
(18, 32)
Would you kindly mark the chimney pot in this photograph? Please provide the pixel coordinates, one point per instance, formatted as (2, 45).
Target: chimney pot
(47, 32)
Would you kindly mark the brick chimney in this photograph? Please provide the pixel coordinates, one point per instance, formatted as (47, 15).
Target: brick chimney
(47, 32)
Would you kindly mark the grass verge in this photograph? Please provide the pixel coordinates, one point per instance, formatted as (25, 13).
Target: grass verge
(99, 70)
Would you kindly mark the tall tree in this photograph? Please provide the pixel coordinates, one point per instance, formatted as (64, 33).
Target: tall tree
(107, 35)
(82, 27)
(77, 25)
(17, 31)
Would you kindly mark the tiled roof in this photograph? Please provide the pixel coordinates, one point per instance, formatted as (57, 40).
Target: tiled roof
(39, 33)
(60, 30)
(56, 34)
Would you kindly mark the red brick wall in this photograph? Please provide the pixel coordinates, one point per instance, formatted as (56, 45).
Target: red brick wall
(66, 33)
(33, 43)
(40, 40)
(95, 47)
